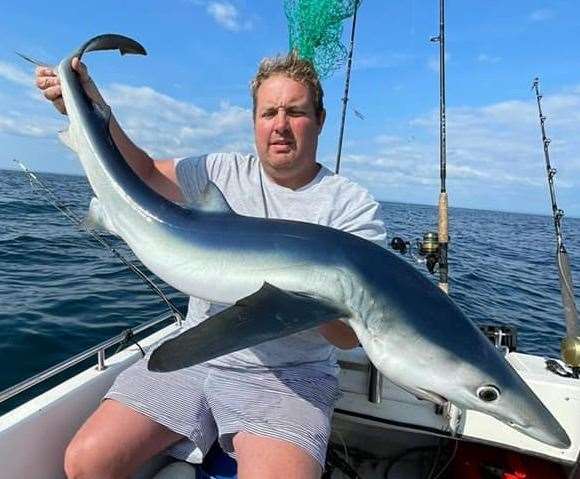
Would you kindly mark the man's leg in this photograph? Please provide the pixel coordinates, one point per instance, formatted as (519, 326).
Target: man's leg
(268, 458)
(277, 423)
(114, 442)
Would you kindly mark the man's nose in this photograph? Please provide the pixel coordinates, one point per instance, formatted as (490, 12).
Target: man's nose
(281, 121)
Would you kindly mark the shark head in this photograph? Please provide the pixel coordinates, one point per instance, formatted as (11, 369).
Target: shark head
(471, 374)
(509, 399)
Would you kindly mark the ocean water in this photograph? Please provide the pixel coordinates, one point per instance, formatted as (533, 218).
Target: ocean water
(61, 293)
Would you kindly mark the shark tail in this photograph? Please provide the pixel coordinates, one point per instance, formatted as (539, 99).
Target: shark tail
(111, 41)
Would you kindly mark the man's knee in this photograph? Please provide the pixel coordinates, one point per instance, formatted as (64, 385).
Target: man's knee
(84, 459)
(269, 458)
(114, 442)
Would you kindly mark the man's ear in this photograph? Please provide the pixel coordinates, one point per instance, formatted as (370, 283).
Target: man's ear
(321, 119)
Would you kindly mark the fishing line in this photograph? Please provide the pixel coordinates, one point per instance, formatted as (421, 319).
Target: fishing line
(436, 459)
(340, 436)
(449, 461)
(42, 188)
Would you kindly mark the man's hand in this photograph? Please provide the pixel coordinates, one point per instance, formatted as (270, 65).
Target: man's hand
(339, 334)
(49, 84)
(159, 175)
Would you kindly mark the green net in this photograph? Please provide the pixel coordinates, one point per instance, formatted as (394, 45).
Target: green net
(315, 28)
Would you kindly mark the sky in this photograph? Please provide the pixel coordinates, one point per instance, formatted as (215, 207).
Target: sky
(190, 96)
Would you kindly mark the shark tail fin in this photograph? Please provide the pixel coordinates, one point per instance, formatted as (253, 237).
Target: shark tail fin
(111, 41)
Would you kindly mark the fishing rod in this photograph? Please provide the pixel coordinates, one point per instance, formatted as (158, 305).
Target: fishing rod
(433, 248)
(570, 347)
(52, 198)
(443, 226)
(346, 87)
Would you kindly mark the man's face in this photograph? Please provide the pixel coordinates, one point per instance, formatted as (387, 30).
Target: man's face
(286, 127)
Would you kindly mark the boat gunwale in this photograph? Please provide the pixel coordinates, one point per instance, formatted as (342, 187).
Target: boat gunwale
(98, 350)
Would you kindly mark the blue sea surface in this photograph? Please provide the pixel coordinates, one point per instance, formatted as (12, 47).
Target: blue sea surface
(61, 293)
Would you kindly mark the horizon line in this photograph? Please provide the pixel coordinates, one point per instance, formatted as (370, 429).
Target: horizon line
(381, 200)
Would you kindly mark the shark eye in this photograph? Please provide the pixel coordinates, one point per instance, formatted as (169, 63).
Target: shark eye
(488, 393)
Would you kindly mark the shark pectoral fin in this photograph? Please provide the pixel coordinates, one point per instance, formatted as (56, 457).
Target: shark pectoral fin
(98, 220)
(267, 314)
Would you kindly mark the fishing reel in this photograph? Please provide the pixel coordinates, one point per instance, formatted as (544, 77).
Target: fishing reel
(427, 249)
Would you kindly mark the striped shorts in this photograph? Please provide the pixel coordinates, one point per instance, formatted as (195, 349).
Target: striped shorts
(205, 403)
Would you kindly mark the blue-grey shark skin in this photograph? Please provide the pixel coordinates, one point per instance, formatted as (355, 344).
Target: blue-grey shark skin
(413, 333)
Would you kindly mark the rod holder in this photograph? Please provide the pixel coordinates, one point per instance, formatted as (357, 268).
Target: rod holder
(375, 385)
(101, 360)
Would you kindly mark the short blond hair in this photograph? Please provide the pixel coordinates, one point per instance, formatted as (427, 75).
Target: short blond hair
(294, 67)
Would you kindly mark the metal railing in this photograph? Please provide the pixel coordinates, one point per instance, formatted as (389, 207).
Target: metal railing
(98, 351)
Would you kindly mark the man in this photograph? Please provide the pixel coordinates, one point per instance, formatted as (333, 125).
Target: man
(270, 406)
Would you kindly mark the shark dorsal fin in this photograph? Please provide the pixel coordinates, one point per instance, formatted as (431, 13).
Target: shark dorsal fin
(211, 200)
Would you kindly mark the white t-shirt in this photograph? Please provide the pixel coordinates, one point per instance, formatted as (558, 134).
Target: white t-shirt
(329, 200)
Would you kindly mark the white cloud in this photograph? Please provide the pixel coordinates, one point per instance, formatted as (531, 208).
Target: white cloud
(433, 62)
(541, 15)
(228, 16)
(159, 123)
(484, 58)
(386, 139)
(381, 60)
(493, 147)
(16, 75)
(167, 127)
(20, 116)
(36, 127)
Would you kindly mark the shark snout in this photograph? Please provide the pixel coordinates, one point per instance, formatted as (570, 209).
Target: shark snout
(528, 415)
(553, 435)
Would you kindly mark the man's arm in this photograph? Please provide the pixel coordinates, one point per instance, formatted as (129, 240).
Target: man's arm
(158, 174)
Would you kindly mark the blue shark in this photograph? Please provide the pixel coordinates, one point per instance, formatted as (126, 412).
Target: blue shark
(282, 277)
